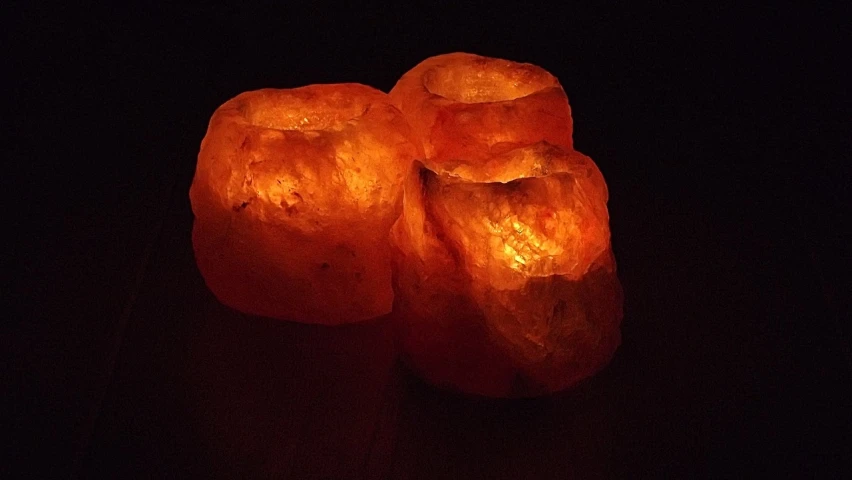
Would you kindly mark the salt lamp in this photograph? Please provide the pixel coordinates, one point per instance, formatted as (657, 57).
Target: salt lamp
(504, 275)
(466, 106)
(294, 193)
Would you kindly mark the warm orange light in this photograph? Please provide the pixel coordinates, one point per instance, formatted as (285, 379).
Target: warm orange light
(466, 106)
(294, 193)
(507, 287)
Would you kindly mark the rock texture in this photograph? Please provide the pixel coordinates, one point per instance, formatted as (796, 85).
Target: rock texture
(294, 193)
(470, 107)
(504, 275)
(496, 260)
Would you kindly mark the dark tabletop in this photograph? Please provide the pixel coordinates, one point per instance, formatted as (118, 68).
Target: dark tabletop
(721, 134)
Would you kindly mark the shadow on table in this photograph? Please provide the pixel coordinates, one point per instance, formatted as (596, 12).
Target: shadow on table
(200, 389)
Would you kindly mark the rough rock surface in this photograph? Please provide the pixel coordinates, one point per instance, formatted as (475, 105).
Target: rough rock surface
(294, 193)
(470, 107)
(504, 275)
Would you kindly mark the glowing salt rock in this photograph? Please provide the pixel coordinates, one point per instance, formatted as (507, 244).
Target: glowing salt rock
(465, 106)
(294, 193)
(505, 280)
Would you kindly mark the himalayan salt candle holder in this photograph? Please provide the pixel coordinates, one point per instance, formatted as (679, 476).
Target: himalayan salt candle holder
(294, 194)
(504, 275)
(466, 106)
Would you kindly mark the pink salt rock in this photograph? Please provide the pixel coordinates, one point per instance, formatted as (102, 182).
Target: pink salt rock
(294, 194)
(469, 107)
(505, 279)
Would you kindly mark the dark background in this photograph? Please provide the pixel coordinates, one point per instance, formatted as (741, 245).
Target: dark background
(723, 134)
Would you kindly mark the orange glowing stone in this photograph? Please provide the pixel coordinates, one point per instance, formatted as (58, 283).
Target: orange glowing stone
(505, 279)
(294, 193)
(470, 107)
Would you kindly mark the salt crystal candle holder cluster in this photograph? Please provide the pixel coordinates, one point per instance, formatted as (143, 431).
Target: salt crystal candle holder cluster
(456, 201)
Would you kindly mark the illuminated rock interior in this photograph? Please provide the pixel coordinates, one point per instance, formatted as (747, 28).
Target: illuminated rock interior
(465, 106)
(507, 287)
(294, 193)
(456, 200)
